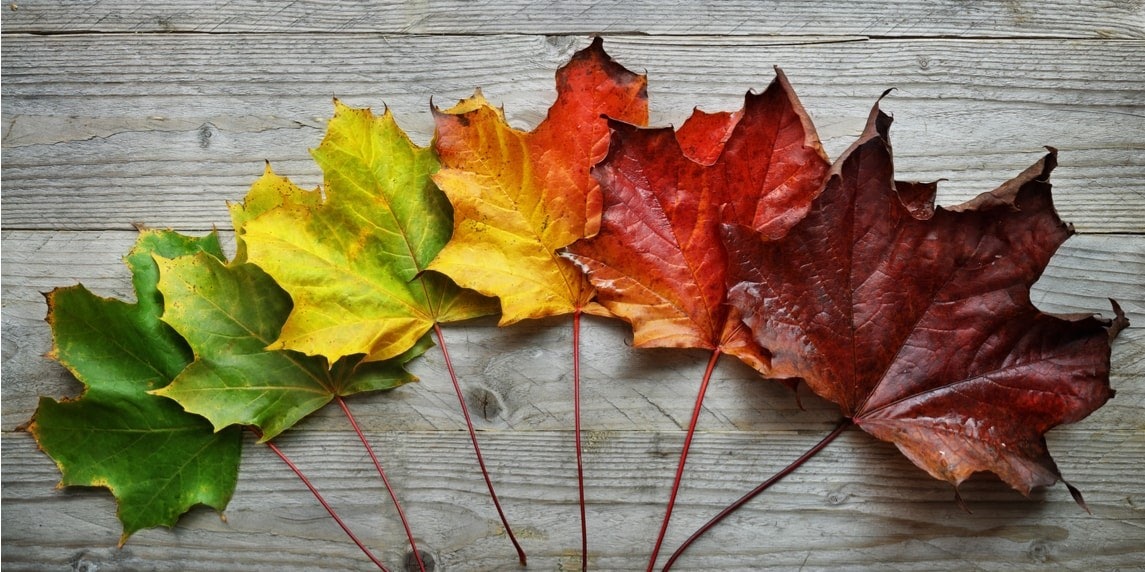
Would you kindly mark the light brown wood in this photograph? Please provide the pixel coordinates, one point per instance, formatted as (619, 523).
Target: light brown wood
(102, 129)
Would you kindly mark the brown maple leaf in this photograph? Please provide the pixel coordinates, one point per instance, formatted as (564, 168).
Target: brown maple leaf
(916, 320)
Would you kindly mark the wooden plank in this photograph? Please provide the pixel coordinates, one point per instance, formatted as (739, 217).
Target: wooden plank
(102, 131)
(858, 505)
(883, 18)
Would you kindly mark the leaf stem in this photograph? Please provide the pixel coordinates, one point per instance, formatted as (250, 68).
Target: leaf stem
(322, 500)
(684, 457)
(385, 481)
(843, 425)
(576, 423)
(476, 449)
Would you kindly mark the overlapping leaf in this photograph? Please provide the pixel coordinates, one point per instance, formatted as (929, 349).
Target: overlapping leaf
(917, 320)
(231, 313)
(657, 261)
(157, 460)
(354, 259)
(519, 197)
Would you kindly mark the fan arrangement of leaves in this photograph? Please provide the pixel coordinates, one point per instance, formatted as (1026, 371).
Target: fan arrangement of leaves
(733, 233)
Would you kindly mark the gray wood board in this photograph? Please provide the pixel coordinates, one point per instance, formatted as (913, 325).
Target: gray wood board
(888, 18)
(102, 131)
(859, 504)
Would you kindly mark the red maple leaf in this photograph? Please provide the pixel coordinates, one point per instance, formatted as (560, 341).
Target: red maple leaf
(916, 320)
(657, 261)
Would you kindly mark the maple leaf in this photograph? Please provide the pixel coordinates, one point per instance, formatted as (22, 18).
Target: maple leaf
(157, 460)
(657, 261)
(518, 197)
(354, 257)
(916, 320)
(355, 261)
(231, 313)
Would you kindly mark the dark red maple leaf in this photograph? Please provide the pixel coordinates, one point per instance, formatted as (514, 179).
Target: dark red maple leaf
(916, 320)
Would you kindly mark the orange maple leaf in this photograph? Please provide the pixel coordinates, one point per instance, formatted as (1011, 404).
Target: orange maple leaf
(520, 196)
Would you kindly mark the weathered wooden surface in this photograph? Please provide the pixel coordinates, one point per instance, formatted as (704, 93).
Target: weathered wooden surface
(875, 18)
(162, 129)
(102, 129)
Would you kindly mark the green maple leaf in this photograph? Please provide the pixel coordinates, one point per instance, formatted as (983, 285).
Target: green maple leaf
(354, 257)
(157, 460)
(230, 313)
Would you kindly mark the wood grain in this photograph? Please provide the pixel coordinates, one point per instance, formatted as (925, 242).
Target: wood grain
(859, 504)
(110, 119)
(102, 131)
(992, 18)
(517, 378)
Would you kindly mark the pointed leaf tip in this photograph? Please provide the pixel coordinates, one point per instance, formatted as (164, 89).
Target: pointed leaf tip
(1120, 321)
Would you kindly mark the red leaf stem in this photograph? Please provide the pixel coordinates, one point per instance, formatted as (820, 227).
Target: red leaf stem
(385, 481)
(684, 456)
(843, 425)
(576, 421)
(325, 505)
(477, 449)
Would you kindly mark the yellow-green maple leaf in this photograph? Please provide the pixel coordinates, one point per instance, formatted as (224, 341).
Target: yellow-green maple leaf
(353, 256)
(229, 312)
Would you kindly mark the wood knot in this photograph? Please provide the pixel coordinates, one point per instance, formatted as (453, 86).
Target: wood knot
(483, 402)
(426, 559)
(1040, 551)
(206, 131)
(838, 496)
